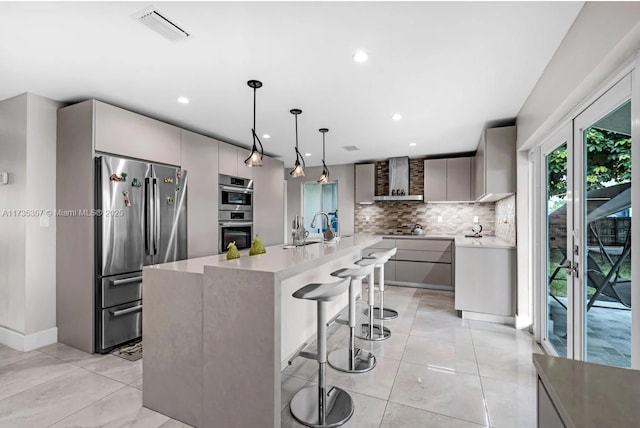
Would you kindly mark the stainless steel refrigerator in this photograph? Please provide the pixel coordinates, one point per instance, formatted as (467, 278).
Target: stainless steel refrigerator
(142, 221)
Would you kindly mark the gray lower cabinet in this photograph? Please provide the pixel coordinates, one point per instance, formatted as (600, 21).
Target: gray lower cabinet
(486, 280)
(423, 272)
(419, 262)
(547, 414)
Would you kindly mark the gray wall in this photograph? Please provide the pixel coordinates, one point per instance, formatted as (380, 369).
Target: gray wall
(603, 36)
(28, 251)
(343, 174)
(13, 159)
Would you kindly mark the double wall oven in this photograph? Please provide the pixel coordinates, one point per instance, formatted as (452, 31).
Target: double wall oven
(235, 212)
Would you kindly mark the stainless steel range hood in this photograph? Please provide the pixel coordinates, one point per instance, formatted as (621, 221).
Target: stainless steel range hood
(399, 181)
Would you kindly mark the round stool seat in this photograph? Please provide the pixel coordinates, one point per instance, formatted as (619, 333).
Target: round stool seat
(353, 273)
(322, 292)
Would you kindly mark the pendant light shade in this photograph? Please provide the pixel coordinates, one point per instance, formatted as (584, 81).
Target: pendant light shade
(255, 157)
(324, 177)
(299, 166)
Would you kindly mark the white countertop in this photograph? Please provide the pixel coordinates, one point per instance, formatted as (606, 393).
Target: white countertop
(461, 241)
(284, 262)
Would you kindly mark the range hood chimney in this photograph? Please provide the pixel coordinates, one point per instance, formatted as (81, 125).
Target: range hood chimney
(399, 182)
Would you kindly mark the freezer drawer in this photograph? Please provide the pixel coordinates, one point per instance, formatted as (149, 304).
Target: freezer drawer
(119, 289)
(120, 324)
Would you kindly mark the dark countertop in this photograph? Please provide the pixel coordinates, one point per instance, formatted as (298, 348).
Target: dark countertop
(591, 395)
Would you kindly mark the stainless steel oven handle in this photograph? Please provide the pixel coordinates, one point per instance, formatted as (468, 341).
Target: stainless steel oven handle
(126, 280)
(236, 189)
(125, 311)
(236, 223)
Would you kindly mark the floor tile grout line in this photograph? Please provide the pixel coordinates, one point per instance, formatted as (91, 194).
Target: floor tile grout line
(90, 371)
(484, 396)
(88, 405)
(439, 414)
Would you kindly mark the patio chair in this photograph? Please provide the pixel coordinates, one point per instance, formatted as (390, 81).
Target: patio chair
(611, 284)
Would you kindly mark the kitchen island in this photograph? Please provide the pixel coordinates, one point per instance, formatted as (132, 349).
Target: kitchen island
(218, 332)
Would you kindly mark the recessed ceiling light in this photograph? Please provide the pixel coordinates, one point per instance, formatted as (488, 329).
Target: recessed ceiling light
(307, 154)
(360, 56)
(412, 144)
(396, 116)
(183, 100)
(266, 136)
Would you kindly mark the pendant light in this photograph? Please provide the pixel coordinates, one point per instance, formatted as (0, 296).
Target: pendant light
(298, 170)
(324, 177)
(255, 157)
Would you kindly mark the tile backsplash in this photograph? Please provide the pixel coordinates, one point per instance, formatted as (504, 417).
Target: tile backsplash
(506, 219)
(457, 218)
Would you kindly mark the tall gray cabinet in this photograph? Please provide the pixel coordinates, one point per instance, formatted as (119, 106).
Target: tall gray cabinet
(268, 201)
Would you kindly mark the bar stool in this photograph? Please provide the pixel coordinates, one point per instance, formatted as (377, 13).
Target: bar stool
(314, 406)
(371, 331)
(351, 359)
(380, 312)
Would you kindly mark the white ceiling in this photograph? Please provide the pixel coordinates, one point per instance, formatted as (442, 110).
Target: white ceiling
(447, 67)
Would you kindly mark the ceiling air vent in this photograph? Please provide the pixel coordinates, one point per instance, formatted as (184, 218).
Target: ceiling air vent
(161, 24)
(350, 148)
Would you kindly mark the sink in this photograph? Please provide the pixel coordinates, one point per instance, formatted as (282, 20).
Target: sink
(287, 247)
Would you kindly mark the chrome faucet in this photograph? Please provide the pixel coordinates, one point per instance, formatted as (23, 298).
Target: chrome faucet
(328, 234)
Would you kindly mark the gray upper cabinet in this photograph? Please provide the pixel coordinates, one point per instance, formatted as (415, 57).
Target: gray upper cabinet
(200, 160)
(459, 179)
(448, 179)
(125, 133)
(495, 164)
(231, 161)
(435, 180)
(365, 183)
(268, 201)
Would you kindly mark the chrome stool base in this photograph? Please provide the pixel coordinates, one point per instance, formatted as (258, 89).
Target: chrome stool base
(362, 362)
(387, 314)
(305, 407)
(378, 333)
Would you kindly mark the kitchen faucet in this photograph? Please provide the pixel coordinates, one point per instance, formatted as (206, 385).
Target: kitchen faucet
(328, 234)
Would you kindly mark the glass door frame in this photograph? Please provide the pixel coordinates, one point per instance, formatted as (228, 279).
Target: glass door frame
(617, 95)
(564, 135)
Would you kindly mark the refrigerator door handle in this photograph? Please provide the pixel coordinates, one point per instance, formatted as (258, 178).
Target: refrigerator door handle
(156, 234)
(126, 311)
(149, 217)
(115, 282)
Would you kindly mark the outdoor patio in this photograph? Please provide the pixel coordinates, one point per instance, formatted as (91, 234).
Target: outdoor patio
(608, 332)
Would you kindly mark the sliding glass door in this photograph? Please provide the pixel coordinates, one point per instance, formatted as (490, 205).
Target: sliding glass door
(587, 233)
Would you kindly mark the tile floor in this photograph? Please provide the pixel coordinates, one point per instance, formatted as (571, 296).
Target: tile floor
(436, 370)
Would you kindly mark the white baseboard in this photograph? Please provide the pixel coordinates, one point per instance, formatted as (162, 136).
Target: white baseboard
(28, 342)
(498, 319)
(523, 322)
